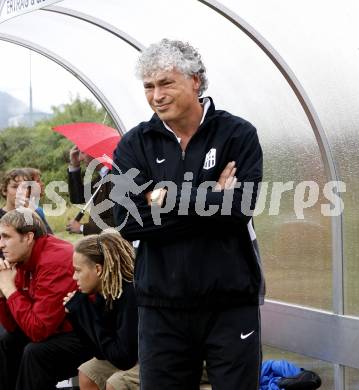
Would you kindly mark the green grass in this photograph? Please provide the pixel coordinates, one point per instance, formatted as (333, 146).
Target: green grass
(58, 224)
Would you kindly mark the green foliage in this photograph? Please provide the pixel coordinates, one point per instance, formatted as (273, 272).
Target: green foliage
(58, 223)
(40, 147)
(78, 111)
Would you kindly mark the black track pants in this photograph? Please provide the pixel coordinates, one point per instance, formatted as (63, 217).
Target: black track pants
(173, 345)
(39, 366)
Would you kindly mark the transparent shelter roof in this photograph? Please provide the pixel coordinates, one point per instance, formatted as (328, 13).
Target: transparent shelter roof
(290, 68)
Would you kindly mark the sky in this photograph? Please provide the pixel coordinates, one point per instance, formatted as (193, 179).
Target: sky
(51, 84)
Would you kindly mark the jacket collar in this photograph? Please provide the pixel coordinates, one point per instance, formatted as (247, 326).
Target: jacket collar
(30, 264)
(155, 123)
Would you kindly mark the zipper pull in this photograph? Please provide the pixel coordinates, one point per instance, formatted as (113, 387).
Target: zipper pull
(183, 154)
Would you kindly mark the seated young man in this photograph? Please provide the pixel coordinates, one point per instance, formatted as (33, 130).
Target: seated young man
(104, 311)
(35, 175)
(39, 348)
(9, 185)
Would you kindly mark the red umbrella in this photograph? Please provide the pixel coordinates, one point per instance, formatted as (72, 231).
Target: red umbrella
(94, 139)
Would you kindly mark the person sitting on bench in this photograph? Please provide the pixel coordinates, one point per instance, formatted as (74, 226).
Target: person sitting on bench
(104, 311)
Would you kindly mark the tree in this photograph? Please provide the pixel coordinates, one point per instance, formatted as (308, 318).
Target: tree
(40, 147)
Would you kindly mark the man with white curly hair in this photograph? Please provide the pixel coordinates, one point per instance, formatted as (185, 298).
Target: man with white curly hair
(198, 277)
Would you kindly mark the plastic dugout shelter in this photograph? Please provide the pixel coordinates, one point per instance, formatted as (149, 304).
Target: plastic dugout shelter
(290, 68)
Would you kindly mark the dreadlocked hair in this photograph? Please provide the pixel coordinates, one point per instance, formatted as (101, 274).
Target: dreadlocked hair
(115, 254)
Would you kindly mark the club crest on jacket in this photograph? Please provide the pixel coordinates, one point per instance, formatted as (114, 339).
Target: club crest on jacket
(210, 160)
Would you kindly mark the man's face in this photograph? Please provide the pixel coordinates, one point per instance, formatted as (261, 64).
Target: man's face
(171, 94)
(86, 274)
(16, 247)
(11, 191)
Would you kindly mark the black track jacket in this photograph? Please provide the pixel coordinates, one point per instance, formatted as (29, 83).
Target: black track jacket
(191, 261)
(110, 333)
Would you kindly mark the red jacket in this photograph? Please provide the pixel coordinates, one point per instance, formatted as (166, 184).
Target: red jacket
(42, 282)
